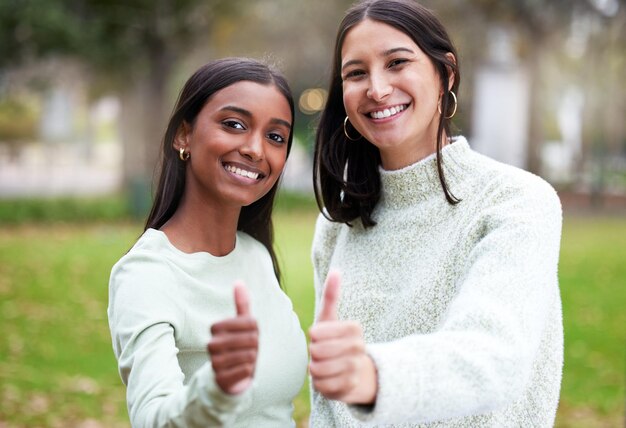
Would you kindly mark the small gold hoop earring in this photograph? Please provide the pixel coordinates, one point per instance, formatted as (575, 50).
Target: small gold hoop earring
(182, 155)
(455, 106)
(345, 131)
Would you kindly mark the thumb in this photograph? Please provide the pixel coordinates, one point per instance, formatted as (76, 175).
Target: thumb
(331, 297)
(242, 299)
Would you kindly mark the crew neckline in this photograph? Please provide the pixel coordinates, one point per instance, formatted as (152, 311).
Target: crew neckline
(420, 180)
(166, 244)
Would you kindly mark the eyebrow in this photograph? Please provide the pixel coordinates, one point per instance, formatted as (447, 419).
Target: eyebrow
(384, 53)
(248, 114)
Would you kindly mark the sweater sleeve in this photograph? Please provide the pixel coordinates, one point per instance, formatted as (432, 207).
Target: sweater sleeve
(480, 358)
(144, 319)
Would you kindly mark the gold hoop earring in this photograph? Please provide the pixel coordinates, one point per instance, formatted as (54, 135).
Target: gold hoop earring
(182, 155)
(345, 131)
(455, 106)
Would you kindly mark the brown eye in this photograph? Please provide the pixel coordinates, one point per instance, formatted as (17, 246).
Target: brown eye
(276, 138)
(354, 74)
(397, 62)
(233, 124)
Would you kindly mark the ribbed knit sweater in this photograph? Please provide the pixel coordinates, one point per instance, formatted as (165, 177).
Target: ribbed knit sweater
(460, 305)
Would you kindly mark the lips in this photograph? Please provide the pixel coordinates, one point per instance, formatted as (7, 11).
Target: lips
(386, 112)
(244, 172)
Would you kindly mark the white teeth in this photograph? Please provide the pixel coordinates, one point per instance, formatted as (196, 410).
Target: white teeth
(388, 112)
(242, 172)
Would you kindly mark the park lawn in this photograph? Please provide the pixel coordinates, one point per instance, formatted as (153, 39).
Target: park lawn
(592, 274)
(57, 367)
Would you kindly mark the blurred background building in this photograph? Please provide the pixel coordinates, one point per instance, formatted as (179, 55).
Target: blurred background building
(86, 86)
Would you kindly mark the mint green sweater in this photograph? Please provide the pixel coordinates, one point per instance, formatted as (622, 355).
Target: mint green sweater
(460, 305)
(161, 304)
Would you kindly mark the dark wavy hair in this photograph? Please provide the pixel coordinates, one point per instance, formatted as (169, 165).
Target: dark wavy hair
(345, 173)
(254, 219)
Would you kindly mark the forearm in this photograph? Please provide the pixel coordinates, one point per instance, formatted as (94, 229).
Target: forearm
(200, 403)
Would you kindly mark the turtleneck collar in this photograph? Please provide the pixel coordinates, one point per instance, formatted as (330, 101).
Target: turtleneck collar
(420, 181)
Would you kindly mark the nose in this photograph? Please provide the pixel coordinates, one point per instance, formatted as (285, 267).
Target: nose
(379, 87)
(252, 148)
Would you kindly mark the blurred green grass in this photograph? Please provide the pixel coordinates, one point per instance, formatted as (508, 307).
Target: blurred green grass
(57, 367)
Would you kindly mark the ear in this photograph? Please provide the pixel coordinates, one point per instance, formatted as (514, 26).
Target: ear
(451, 74)
(181, 140)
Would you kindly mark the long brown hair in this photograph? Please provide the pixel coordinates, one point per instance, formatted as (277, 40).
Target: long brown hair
(345, 173)
(254, 219)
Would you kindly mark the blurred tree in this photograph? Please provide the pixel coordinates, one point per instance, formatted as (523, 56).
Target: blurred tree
(132, 47)
(136, 47)
(18, 123)
(296, 35)
(546, 31)
(543, 26)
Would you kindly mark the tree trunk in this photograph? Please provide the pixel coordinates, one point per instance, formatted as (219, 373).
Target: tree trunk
(143, 123)
(535, 117)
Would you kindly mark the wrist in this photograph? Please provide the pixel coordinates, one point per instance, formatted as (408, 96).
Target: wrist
(367, 388)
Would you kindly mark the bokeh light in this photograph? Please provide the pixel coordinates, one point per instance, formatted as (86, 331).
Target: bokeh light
(312, 100)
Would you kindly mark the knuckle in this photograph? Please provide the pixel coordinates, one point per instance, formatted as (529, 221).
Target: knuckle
(249, 369)
(355, 328)
(357, 346)
(216, 362)
(221, 380)
(353, 382)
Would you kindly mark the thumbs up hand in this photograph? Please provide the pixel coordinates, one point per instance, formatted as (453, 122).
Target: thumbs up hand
(234, 346)
(340, 369)
(330, 298)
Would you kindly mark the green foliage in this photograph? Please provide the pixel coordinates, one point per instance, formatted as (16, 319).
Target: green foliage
(290, 201)
(109, 208)
(31, 29)
(107, 34)
(57, 367)
(18, 121)
(20, 211)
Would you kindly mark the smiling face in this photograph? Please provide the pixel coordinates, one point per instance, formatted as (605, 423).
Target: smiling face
(237, 145)
(390, 92)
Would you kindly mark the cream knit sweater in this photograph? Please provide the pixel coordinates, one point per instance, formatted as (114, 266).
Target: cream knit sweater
(460, 305)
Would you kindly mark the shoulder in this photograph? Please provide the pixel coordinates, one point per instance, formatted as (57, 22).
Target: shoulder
(252, 249)
(147, 255)
(253, 253)
(505, 186)
(249, 244)
(326, 231)
(144, 271)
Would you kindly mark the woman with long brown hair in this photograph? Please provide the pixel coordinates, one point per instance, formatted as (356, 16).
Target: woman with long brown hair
(449, 313)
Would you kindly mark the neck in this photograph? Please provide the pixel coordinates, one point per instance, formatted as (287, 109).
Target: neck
(393, 160)
(201, 227)
(420, 181)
